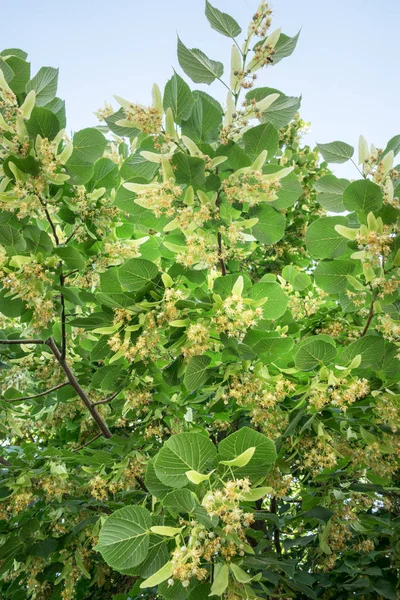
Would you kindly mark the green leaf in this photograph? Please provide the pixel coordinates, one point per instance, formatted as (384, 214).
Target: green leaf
(181, 453)
(331, 275)
(80, 171)
(268, 345)
(196, 372)
(297, 279)
(72, 257)
(221, 579)
(29, 164)
(206, 117)
(45, 85)
(271, 224)
(37, 240)
(237, 443)
(259, 138)
(165, 530)
(137, 166)
(222, 22)
(11, 238)
(89, 145)
(384, 588)
(179, 98)
(276, 299)
(285, 46)
(281, 112)
(137, 273)
(313, 352)
(124, 537)
(189, 169)
(129, 132)
(241, 460)
(197, 66)
(43, 122)
(331, 190)
(363, 195)
(370, 347)
(180, 501)
(162, 575)
(153, 484)
(22, 72)
(256, 494)
(336, 152)
(322, 239)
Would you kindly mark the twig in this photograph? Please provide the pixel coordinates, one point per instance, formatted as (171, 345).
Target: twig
(21, 342)
(96, 437)
(109, 399)
(4, 461)
(53, 389)
(69, 238)
(277, 541)
(63, 320)
(141, 483)
(219, 235)
(370, 317)
(74, 383)
(49, 219)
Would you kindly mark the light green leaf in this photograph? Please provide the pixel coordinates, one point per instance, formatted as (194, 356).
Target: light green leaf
(284, 47)
(162, 575)
(137, 273)
(42, 122)
(275, 298)
(72, 257)
(314, 352)
(197, 66)
(259, 138)
(196, 372)
(124, 537)
(363, 195)
(237, 443)
(331, 275)
(196, 477)
(241, 460)
(322, 239)
(331, 190)
(336, 152)
(222, 22)
(165, 531)
(271, 224)
(181, 501)
(256, 494)
(179, 98)
(89, 145)
(221, 579)
(181, 453)
(44, 84)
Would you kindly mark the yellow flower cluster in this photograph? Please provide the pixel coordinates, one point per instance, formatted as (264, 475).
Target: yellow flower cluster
(317, 454)
(343, 395)
(234, 318)
(387, 410)
(160, 198)
(389, 328)
(198, 336)
(261, 20)
(198, 251)
(251, 187)
(147, 119)
(375, 245)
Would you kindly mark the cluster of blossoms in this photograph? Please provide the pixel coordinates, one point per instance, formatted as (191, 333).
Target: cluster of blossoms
(343, 394)
(95, 208)
(29, 283)
(251, 187)
(317, 454)
(234, 318)
(198, 251)
(374, 244)
(387, 410)
(146, 118)
(206, 546)
(160, 198)
(306, 305)
(261, 21)
(198, 337)
(102, 486)
(389, 328)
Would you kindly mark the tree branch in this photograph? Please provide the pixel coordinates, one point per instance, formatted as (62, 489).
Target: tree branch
(63, 320)
(4, 462)
(219, 235)
(96, 437)
(74, 383)
(21, 342)
(370, 317)
(53, 389)
(277, 541)
(109, 399)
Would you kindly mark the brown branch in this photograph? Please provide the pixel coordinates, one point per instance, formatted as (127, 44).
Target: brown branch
(21, 342)
(277, 541)
(141, 483)
(109, 399)
(370, 316)
(219, 236)
(49, 219)
(74, 383)
(53, 389)
(71, 236)
(96, 437)
(63, 320)
(4, 462)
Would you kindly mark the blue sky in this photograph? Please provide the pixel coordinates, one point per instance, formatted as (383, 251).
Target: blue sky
(345, 65)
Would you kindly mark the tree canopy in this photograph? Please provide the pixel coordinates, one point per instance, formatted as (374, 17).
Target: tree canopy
(199, 342)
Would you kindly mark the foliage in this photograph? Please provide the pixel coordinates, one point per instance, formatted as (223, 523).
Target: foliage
(200, 343)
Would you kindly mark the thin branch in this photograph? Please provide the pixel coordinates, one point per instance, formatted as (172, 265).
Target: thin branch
(53, 389)
(63, 320)
(49, 219)
(277, 541)
(21, 342)
(96, 437)
(4, 462)
(141, 483)
(361, 173)
(109, 399)
(69, 238)
(219, 235)
(370, 317)
(74, 383)
(71, 273)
